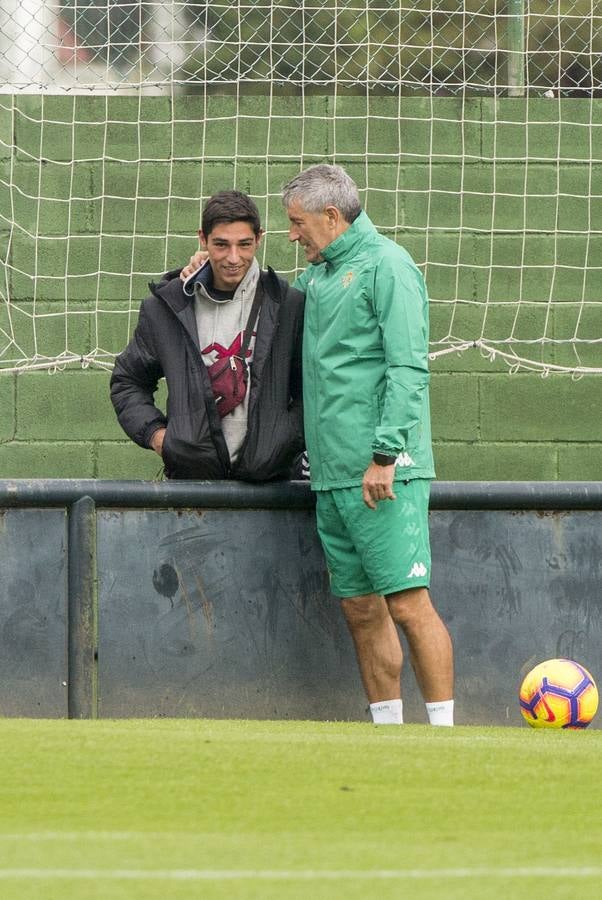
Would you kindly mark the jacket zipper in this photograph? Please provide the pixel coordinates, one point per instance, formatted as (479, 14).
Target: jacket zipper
(199, 358)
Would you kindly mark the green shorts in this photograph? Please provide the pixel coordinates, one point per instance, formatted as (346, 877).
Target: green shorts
(382, 550)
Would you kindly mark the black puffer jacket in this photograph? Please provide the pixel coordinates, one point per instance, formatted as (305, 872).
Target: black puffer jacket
(166, 344)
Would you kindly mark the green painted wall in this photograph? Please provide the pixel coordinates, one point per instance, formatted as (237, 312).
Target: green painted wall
(433, 165)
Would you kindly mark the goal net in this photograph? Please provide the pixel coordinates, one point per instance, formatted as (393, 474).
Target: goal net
(473, 131)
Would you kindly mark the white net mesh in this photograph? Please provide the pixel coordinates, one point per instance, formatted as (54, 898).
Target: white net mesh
(473, 131)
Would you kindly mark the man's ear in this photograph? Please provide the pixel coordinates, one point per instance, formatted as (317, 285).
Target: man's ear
(333, 215)
(202, 239)
(259, 236)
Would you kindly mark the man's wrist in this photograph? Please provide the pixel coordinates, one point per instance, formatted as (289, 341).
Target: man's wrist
(156, 439)
(383, 459)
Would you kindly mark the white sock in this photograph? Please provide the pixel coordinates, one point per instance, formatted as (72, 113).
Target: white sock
(387, 712)
(441, 712)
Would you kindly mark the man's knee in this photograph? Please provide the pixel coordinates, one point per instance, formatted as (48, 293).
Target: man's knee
(364, 612)
(411, 606)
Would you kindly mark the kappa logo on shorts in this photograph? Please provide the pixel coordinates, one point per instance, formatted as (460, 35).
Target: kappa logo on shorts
(404, 459)
(418, 570)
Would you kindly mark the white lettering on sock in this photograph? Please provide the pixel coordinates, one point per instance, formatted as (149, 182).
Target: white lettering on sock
(441, 713)
(387, 712)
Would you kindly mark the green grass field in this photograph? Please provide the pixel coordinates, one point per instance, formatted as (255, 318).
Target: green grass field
(227, 809)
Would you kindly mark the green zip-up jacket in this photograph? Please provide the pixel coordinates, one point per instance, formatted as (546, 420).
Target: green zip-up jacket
(365, 360)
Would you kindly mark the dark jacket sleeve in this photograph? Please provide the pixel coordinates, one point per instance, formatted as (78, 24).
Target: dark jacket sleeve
(134, 382)
(296, 375)
(300, 467)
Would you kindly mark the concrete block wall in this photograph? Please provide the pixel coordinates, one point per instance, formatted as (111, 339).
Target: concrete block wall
(115, 186)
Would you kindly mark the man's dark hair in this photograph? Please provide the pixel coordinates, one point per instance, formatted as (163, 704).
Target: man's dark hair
(230, 206)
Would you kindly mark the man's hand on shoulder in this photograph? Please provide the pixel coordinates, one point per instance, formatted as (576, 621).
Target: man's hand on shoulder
(377, 484)
(196, 261)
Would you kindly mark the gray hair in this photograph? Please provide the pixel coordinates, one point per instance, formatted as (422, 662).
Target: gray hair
(321, 186)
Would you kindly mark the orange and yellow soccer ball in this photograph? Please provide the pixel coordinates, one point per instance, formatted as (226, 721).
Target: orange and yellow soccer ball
(558, 693)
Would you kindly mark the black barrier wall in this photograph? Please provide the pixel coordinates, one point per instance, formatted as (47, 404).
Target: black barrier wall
(176, 599)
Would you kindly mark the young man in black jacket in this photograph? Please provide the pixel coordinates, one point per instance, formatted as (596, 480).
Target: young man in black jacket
(228, 343)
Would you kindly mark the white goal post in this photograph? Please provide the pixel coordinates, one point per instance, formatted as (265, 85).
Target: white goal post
(473, 130)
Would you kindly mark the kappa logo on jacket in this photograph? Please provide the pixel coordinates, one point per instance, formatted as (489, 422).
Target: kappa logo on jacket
(347, 279)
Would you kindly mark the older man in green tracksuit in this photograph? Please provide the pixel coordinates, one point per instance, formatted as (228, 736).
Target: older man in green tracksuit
(367, 429)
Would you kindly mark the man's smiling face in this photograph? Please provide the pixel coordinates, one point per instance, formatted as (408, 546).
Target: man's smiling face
(231, 247)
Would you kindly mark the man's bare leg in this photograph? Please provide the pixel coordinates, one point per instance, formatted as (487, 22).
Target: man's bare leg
(379, 655)
(430, 645)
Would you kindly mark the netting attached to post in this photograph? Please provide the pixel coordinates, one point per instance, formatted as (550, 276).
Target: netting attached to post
(473, 131)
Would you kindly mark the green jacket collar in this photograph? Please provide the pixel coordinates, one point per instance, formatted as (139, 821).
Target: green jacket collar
(349, 242)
